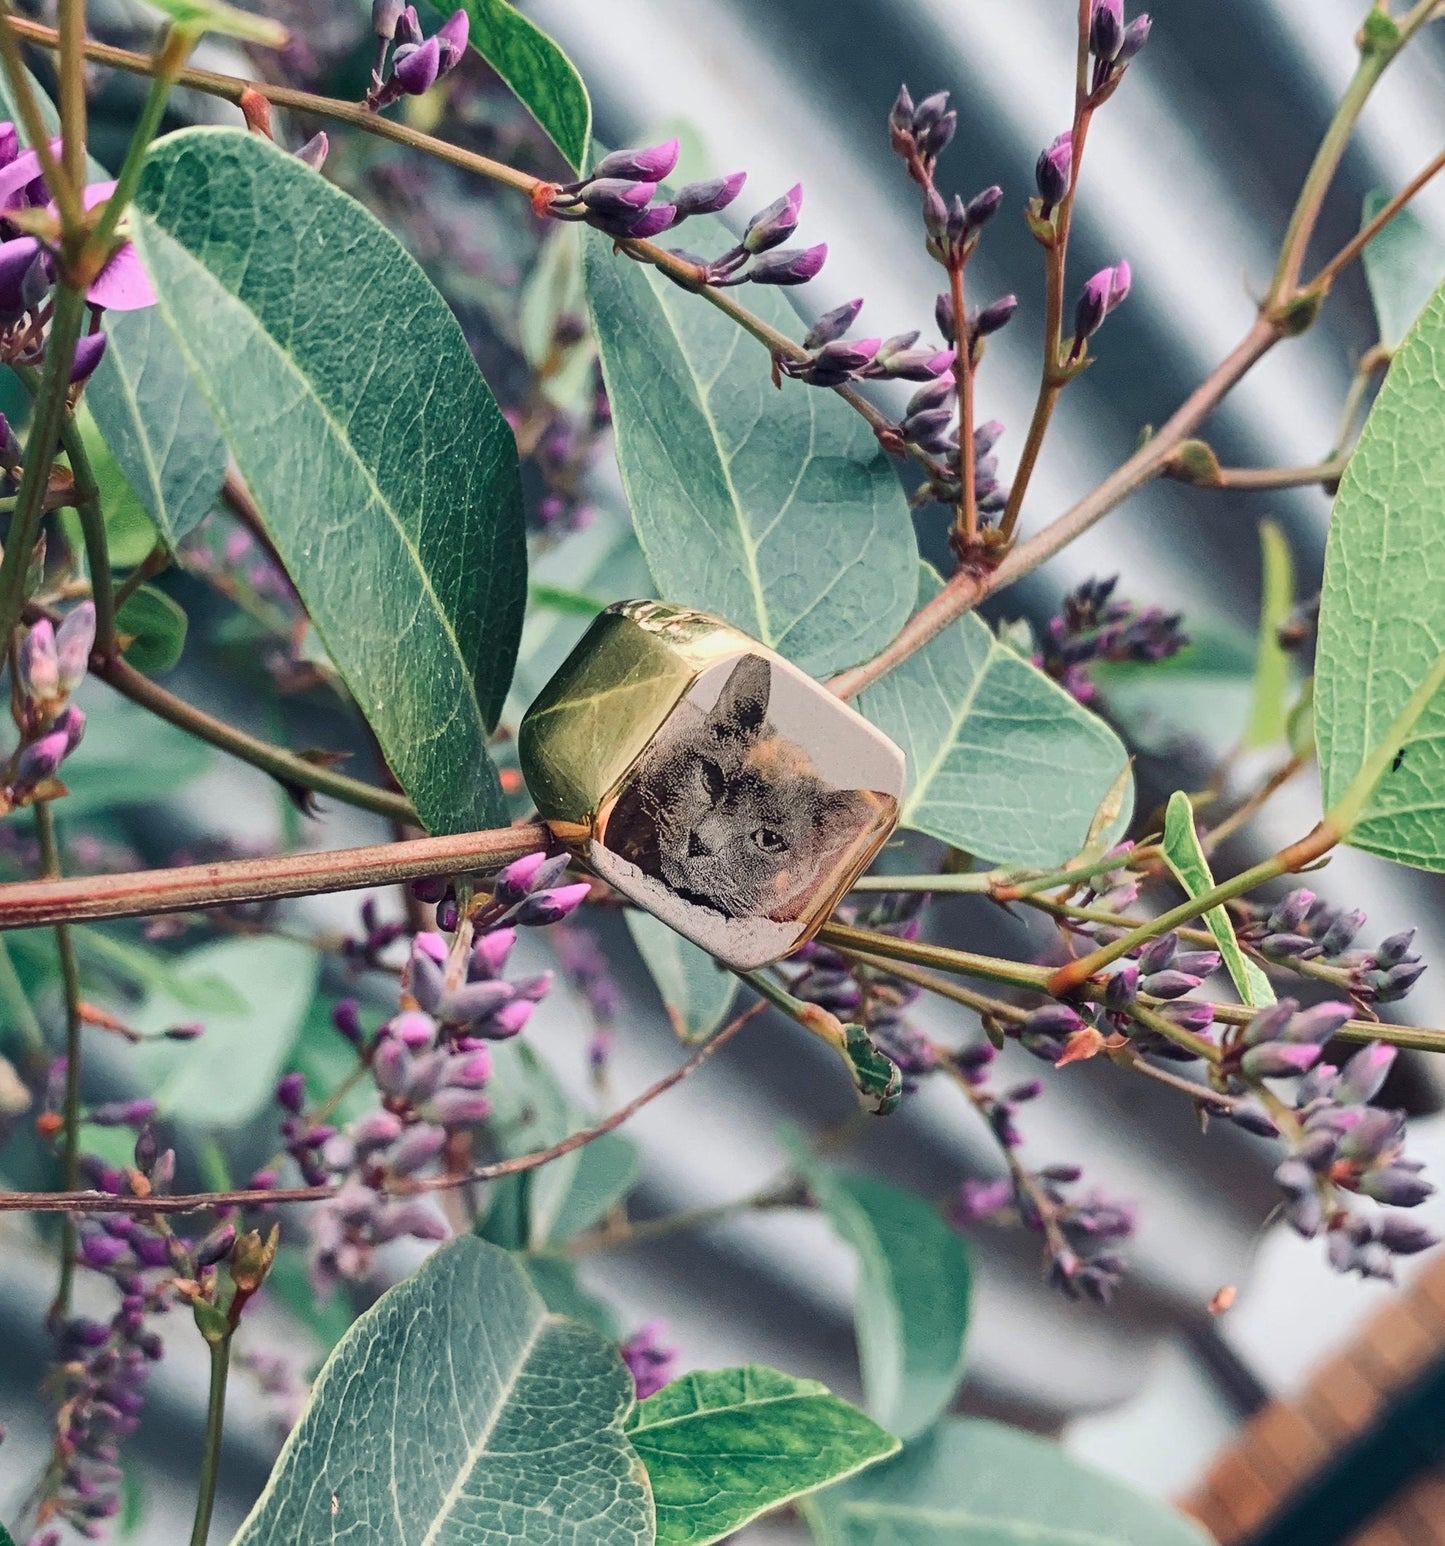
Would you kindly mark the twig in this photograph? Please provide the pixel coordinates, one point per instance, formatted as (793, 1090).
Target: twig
(195, 1202)
(1367, 233)
(1251, 479)
(220, 1351)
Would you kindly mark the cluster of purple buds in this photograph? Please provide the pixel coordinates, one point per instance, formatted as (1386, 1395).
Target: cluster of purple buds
(1094, 626)
(365, 952)
(1102, 295)
(1112, 43)
(760, 257)
(954, 227)
(50, 664)
(1346, 1144)
(416, 63)
(1302, 930)
(650, 1361)
(979, 322)
(1283, 1040)
(102, 1366)
(833, 360)
(921, 134)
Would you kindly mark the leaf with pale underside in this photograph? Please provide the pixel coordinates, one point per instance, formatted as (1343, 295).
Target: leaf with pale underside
(696, 991)
(459, 1412)
(722, 1446)
(543, 79)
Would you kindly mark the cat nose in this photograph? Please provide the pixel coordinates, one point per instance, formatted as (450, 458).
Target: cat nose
(696, 848)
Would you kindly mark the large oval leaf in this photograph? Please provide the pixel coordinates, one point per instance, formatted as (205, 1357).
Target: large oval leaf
(459, 1412)
(776, 510)
(980, 1484)
(1382, 609)
(1002, 762)
(722, 1446)
(696, 992)
(155, 420)
(543, 78)
(379, 460)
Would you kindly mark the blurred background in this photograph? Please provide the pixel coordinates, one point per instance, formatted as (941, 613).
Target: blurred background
(1190, 174)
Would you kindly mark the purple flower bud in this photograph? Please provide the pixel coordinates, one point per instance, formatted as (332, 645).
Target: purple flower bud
(1054, 169)
(1190, 1015)
(413, 1029)
(1269, 1024)
(412, 1217)
(507, 1021)
(346, 1017)
(1364, 1074)
(489, 954)
(1319, 1150)
(1305, 1214)
(1106, 29)
(552, 906)
(458, 1108)
(1318, 1024)
(425, 980)
(39, 665)
(1122, 986)
(1278, 1060)
(1392, 951)
(415, 67)
(74, 640)
(425, 1076)
(1054, 1020)
(977, 1200)
(408, 28)
(652, 222)
(38, 761)
(88, 351)
(1398, 981)
(526, 875)
(390, 1064)
(1104, 293)
(1253, 1118)
(470, 1071)
(417, 1146)
(900, 115)
(1171, 984)
(982, 207)
(101, 1252)
(707, 198)
(1396, 1187)
(772, 226)
(291, 1092)
(649, 165)
(17, 258)
(1341, 933)
(617, 196)
(1404, 1236)
(384, 16)
(476, 1000)
(995, 316)
(71, 724)
(216, 1245)
(451, 39)
(1136, 35)
(1158, 955)
(1198, 963)
(833, 324)
(314, 152)
(788, 265)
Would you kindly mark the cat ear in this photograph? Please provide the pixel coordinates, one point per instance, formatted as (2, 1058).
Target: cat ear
(742, 705)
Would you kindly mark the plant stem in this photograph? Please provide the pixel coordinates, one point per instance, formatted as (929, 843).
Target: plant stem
(51, 407)
(964, 963)
(211, 1454)
(967, 527)
(27, 105)
(27, 904)
(70, 1132)
(71, 70)
(1257, 478)
(1347, 254)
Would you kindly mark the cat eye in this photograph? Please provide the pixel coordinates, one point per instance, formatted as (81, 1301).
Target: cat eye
(769, 841)
(712, 777)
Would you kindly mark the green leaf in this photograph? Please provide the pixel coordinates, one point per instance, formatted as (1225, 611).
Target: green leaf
(1185, 857)
(914, 1286)
(723, 1446)
(156, 627)
(564, 372)
(557, 1280)
(970, 1483)
(1269, 712)
(543, 79)
(130, 534)
(549, 1205)
(275, 980)
(128, 757)
(156, 423)
(1382, 609)
(6, 1539)
(1002, 762)
(459, 1412)
(384, 471)
(696, 991)
(200, 16)
(777, 510)
(1404, 263)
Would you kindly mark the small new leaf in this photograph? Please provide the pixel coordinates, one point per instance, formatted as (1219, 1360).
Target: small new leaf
(201, 16)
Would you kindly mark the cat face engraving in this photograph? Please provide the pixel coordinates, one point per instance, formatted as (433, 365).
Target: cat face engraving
(731, 814)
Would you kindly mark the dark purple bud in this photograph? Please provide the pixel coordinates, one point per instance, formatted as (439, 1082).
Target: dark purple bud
(1057, 1020)
(291, 1093)
(707, 198)
(1404, 1236)
(1391, 951)
(17, 258)
(39, 664)
(314, 152)
(1253, 1118)
(88, 351)
(384, 16)
(652, 222)
(1171, 984)
(943, 316)
(1191, 1015)
(935, 214)
(1278, 1060)
(1106, 29)
(70, 723)
(1317, 1024)
(415, 67)
(1269, 1024)
(937, 393)
(1198, 963)
(788, 265)
(1318, 1150)
(163, 1172)
(1054, 168)
(425, 980)
(1102, 294)
(452, 37)
(1158, 955)
(1122, 986)
(417, 1146)
(507, 1021)
(1290, 912)
(832, 325)
(900, 116)
(346, 1017)
(1398, 981)
(1305, 1214)
(216, 1245)
(650, 165)
(430, 888)
(425, 1076)
(552, 906)
(1341, 933)
(476, 1000)
(101, 1252)
(995, 316)
(1136, 35)
(982, 207)
(1396, 1187)
(74, 640)
(38, 761)
(929, 111)
(523, 876)
(929, 429)
(617, 196)
(1363, 1075)
(772, 226)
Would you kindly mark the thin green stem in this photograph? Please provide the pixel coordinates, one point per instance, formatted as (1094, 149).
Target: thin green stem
(1368, 232)
(71, 70)
(51, 407)
(967, 517)
(1371, 363)
(1253, 479)
(211, 1453)
(27, 105)
(70, 1131)
(962, 963)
